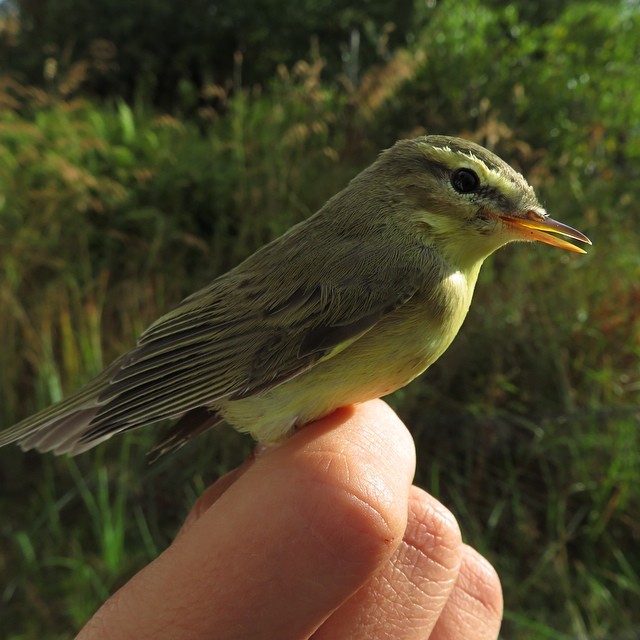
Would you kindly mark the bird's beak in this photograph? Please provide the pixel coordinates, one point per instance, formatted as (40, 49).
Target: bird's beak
(534, 225)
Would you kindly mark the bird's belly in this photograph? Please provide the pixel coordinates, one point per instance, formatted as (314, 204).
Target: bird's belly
(386, 358)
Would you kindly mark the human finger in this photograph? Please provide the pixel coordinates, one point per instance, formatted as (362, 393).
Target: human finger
(405, 599)
(474, 608)
(293, 538)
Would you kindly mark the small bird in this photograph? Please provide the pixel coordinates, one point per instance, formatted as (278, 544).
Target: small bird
(349, 305)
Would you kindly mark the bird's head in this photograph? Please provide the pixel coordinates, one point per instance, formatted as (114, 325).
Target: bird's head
(466, 201)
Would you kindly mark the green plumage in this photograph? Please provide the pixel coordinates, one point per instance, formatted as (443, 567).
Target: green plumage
(346, 306)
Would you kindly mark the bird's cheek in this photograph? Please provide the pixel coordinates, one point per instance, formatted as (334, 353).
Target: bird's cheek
(486, 217)
(487, 223)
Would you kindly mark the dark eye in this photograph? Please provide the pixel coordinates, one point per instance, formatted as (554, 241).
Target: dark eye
(465, 181)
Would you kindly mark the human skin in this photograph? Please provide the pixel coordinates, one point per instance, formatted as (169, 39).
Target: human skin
(322, 536)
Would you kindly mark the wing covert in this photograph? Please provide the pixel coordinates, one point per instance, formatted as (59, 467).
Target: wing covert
(249, 331)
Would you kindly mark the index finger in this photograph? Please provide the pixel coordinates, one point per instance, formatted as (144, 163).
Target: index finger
(298, 533)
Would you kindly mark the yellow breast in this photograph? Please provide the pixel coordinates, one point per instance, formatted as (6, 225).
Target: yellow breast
(400, 347)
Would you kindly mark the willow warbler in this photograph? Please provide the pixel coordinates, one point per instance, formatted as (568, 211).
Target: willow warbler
(349, 305)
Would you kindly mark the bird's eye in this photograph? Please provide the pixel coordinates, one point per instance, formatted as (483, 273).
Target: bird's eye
(465, 181)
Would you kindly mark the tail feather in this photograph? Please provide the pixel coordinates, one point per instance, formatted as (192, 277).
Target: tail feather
(192, 424)
(58, 427)
(77, 424)
(89, 416)
(59, 434)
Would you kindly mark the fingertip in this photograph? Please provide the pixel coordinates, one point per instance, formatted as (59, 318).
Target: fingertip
(372, 428)
(475, 606)
(407, 596)
(366, 452)
(482, 583)
(353, 470)
(434, 531)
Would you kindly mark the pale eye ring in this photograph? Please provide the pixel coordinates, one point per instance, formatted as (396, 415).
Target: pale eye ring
(465, 181)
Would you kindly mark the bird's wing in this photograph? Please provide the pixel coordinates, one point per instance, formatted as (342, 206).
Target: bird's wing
(247, 333)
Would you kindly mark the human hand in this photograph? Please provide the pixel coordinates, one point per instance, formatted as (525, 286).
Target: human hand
(314, 537)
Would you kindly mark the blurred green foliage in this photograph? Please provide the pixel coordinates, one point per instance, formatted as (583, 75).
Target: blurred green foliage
(139, 158)
(160, 50)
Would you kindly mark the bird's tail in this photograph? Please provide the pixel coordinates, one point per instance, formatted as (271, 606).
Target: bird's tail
(60, 427)
(66, 427)
(76, 424)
